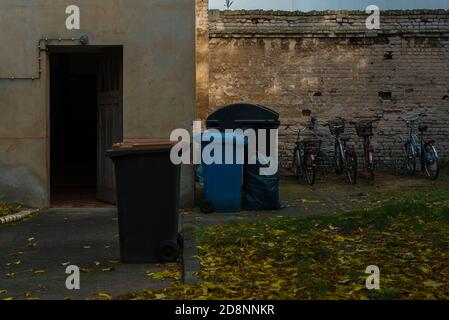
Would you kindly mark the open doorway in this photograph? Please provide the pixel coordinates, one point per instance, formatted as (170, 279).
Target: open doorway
(85, 120)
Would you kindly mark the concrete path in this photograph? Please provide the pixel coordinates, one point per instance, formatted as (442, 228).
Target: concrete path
(34, 255)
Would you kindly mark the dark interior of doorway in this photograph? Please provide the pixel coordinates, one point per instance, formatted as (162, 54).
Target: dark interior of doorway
(73, 132)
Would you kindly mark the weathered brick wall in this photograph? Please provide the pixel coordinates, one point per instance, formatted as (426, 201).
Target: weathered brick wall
(202, 60)
(330, 64)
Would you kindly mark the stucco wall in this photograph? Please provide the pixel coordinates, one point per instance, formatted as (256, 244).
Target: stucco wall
(330, 64)
(159, 79)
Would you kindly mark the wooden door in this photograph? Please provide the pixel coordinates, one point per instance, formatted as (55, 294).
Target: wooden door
(110, 120)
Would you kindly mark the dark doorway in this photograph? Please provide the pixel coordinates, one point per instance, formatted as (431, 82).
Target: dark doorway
(79, 134)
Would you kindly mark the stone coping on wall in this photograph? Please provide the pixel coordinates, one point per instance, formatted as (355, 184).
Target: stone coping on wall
(260, 23)
(16, 217)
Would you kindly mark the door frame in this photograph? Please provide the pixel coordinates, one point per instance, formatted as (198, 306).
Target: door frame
(111, 56)
(69, 49)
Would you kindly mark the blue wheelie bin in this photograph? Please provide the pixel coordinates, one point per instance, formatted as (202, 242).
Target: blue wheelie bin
(223, 182)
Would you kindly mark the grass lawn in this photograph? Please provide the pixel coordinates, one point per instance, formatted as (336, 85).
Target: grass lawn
(325, 257)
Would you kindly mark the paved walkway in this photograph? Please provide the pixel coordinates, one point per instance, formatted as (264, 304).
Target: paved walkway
(34, 255)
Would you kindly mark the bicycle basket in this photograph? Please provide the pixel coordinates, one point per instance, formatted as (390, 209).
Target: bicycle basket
(312, 146)
(364, 129)
(336, 127)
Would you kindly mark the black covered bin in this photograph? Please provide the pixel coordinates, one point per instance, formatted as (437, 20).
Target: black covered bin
(244, 116)
(260, 192)
(147, 201)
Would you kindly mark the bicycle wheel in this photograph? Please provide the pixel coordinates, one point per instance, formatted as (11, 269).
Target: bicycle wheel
(296, 165)
(351, 167)
(431, 166)
(310, 169)
(338, 159)
(410, 158)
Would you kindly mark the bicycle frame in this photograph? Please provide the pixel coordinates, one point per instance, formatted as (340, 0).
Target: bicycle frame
(414, 140)
(302, 147)
(343, 156)
(304, 159)
(368, 151)
(342, 147)
(419, 148)
(341, 144)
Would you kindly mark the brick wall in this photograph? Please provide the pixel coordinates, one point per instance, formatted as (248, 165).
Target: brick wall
(202, 52)
(328, 63)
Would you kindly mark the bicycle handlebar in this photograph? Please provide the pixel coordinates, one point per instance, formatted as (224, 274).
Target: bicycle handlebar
(297, 130)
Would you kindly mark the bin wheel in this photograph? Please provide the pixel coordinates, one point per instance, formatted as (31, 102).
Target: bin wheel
(180, 241)
(169, 251)
(206, 207)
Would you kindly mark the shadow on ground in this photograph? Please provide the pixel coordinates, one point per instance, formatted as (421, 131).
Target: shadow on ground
(34, 255)
(330, 195)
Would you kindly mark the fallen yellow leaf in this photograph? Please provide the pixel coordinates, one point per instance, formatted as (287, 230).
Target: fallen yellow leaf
(39, 271)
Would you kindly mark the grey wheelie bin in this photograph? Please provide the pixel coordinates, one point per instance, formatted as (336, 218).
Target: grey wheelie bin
(148, 186)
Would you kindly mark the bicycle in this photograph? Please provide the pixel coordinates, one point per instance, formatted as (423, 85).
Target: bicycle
(416, 148)
(344, 156)
(305, 157)
(364, 129)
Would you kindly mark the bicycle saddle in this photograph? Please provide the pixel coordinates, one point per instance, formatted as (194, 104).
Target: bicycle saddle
(308, 141)
(422, 128)
(345, 138)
